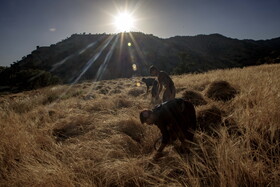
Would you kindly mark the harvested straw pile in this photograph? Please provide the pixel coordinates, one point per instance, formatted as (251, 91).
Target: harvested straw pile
(194, 97)
(209, 118)
(221, 91)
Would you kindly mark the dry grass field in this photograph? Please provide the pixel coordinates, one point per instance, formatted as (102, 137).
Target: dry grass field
(90, 134)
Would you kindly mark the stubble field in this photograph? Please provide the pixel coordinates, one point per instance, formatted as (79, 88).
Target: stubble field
(90, 134)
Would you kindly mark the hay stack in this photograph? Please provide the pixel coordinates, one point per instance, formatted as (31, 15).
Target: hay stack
(135, 92)
(209, 118)
(132, 128)
(194, 97)
(221, 91)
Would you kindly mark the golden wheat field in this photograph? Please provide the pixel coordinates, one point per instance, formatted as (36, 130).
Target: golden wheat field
(89, 134)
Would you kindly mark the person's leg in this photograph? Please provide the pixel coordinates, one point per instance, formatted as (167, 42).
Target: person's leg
(166, 95)
(172, 92)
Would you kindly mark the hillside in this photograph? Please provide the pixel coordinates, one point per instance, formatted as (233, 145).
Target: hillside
(89, 134)
(103, 56)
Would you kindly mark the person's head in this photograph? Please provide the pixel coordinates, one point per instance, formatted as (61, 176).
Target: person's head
(154, 71)
(147, 116)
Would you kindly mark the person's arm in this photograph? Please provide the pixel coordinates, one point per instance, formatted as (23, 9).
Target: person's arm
(165, 137)
(159, 86)
(164, 141)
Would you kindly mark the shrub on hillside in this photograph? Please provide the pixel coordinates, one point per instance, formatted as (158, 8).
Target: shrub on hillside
(194, 97)
(221, 90)
(33, 79)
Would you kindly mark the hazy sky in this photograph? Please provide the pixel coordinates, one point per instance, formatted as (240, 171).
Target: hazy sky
(26, 24)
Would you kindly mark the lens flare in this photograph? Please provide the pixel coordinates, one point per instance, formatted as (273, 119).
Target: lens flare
(134, 67)
(52, 29)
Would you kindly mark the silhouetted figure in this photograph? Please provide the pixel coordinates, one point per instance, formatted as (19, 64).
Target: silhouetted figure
(154, 92)
(175, 119)
(149, 82)
(164, 80)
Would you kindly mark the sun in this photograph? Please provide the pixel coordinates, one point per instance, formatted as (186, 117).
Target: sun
(124, 22)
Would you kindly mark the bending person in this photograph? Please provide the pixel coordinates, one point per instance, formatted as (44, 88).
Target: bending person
(164, 80)
(176, 119)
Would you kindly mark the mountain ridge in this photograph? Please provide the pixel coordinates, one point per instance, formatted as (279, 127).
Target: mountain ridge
(109, 56)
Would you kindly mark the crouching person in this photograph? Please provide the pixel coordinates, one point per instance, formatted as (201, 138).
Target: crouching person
(175, 119)
(149, 82)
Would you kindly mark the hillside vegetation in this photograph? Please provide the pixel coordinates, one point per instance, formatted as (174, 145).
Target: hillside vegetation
(108, 56)
(89, 134)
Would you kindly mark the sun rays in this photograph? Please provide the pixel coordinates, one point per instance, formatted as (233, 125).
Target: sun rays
(124, 22)
(120, 44)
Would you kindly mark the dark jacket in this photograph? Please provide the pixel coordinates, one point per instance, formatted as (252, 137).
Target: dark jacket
(176, 119)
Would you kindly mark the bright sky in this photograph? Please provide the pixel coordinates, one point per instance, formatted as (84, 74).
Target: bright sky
(26, 24)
